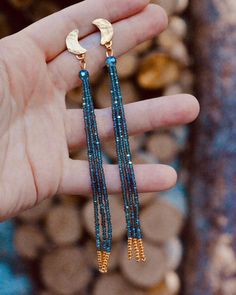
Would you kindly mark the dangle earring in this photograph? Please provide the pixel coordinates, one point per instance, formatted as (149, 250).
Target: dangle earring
(103, 227)
(128, 182)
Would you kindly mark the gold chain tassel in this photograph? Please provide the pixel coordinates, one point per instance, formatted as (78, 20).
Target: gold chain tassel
(136, 250)
(141, 249)
(99, 258)
(130, 251)
(105, 260)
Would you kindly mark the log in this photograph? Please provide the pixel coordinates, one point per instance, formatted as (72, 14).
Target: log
(181, 6)
(213, 170)
(169, 286)
(163, 146)
(36, 213)
(179, 52)
(157, 70)
(91, 255)
(103, 96)
(117, 217)
(29, 241)
(161, 221)
(174, 252)
(146, 199)
(115, 284)
(166, 40)
(172, 6)
(141, 157)
(187, 81)
(181, 134)
(178, 198)
(173, 89)
(109, 147)
(143, 47)
(145, 274)
(127, 65)
(65, 271)
(168, 5)
(63, 225)
(129, 92)
(144, 158)
(178, 26)
(174, 47)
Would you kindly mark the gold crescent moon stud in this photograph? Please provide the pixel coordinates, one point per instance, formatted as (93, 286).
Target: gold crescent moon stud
(73, 45)
(106, 29)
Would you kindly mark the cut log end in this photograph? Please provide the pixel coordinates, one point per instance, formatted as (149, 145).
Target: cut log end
(65, 271)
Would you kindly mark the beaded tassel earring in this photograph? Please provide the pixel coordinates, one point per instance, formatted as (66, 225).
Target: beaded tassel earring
(129, 187)
(103, 227)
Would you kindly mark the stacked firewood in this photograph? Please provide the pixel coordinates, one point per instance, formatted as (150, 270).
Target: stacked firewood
(56, 239)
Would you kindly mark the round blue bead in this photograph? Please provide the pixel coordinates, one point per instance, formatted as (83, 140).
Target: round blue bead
(111, 60)
(83, 74)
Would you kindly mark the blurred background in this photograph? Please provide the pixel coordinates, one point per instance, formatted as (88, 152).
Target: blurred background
(189, 231)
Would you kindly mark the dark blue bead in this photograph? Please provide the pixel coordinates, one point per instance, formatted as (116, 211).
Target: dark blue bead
(111, 60)
(83, 74)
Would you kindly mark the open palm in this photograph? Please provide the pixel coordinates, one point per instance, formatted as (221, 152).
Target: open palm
(36, 130)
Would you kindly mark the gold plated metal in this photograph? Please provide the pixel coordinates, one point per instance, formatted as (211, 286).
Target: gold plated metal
(109, 49)
(107, 33)
(130, 251)
(141, 250)
(105, 259)
(81, 58)
(106, 29)
(74, 47)
(99, 258)
(136, 250)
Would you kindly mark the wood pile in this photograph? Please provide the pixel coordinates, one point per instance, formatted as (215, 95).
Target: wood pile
(60, 245)
(56, 239)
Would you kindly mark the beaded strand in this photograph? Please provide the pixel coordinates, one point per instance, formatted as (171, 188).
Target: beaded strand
(100, 196)
(129, 187)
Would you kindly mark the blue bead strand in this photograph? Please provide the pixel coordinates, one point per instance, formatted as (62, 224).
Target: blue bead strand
(121, 147)
(90, 157)
(122, 155)
(123, 151)
(129, 158)
(100, 195)
(94, 154)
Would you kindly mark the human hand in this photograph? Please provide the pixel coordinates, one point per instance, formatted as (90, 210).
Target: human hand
(36, 130)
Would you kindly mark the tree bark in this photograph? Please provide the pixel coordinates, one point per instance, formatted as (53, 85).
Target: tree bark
(210, 264)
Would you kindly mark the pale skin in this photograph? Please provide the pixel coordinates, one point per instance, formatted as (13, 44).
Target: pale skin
(36, 129)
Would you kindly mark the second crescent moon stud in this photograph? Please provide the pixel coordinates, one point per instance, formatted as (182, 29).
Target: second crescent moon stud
(103, 227)
(107, 33)
(127, 175)
(106, 30)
